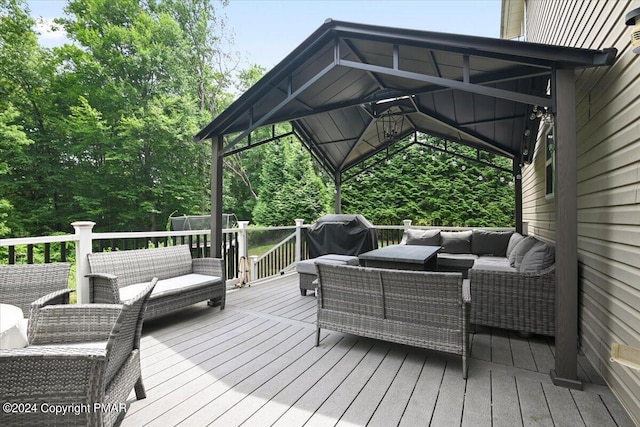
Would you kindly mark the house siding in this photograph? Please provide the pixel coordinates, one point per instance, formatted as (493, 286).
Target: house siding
(608, 135)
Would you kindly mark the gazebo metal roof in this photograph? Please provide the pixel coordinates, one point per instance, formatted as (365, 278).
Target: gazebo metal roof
(345, 77)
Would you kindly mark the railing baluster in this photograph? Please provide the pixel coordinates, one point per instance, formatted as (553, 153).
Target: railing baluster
(63, 251)
(47, 252)
(29, 254)
(12, 254)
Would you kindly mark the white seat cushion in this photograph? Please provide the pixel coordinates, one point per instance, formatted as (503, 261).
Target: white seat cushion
(170, 286)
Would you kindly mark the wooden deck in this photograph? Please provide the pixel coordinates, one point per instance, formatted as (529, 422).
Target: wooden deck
(255, 364)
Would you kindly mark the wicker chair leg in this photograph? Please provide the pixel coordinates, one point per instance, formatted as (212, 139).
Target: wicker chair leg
(317, 336)
(303, 292)
(215, 302)
(465, 367)
(140, 391)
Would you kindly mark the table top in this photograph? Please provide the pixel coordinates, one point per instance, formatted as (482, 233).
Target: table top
(401, 253)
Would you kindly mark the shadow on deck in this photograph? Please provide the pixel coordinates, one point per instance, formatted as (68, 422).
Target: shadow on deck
(255, 364)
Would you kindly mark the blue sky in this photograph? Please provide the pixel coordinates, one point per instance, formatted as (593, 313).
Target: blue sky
(265, 31)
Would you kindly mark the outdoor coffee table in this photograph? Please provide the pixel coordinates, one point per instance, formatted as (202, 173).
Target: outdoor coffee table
(402, 257)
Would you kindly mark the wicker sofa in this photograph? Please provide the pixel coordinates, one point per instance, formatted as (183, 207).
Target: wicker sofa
(512, 277)
(183, 281)
(423, 309)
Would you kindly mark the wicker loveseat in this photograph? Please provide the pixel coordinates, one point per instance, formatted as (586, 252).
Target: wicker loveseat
(183, 281)
(512, 277)
(423, 309)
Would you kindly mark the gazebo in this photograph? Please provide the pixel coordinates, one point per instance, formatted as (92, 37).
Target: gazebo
(351, 91)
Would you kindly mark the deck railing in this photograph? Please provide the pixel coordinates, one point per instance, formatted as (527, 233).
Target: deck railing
(286, 248)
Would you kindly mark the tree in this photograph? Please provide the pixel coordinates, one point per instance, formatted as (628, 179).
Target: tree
(290, 187)
(31, 184)
(434, 188)
(137, 70)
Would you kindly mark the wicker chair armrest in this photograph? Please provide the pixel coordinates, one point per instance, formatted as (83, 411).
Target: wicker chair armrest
(515, 275)
(53, 298)
(466, 291)
(103, 288)
(209, 266)
(64, 324)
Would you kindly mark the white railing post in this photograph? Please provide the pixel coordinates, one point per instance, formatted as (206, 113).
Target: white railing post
(299, 223)
(253, 260)
(243, 253)
(83, 248)
(407, 224)
(243, 241)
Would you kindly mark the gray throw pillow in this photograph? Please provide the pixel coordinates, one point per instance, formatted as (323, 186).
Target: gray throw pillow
(539, 257)
(494, 243)
(520, 250)
(456, 242)
(513, 241)
(421, 237)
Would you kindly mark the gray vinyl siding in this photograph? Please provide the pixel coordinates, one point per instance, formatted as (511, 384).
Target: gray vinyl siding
(608, 126)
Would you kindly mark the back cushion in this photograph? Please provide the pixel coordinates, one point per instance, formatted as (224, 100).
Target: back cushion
(492, 243)
(456, 242)
(539, 257)
(520, 250)
(421, 237)
(513, 241)
(142, 265)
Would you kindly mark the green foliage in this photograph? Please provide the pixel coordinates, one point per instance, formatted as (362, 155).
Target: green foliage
(433, 188)
(290, 188)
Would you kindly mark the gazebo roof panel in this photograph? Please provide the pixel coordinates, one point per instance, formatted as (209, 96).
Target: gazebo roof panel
(323, 90)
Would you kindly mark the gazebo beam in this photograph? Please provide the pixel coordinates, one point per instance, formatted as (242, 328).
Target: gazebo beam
(453, 84)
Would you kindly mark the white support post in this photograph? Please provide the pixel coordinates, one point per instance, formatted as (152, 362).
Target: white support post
(407, 224)
(243, 242)
(83, 248)
(243, 254)
(254, 266)
(299, 223)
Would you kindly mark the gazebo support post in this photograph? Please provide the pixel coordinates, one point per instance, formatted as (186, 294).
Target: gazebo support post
(338, 182)
(517, 179)
(216, 197)
(566, 358)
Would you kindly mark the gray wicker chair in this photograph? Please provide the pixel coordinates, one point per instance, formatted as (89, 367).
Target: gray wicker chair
(422, 309)
(82, 358)
(22, 284)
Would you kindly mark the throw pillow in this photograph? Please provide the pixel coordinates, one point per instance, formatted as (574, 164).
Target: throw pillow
(539, 257)
(520, 250)
(513, 241)
(421, 237)
(456, 242)
(494, 243)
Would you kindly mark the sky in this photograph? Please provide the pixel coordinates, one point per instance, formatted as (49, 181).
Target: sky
(265, 31)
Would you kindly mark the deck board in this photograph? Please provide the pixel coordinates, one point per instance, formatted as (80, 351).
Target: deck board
(255, 364)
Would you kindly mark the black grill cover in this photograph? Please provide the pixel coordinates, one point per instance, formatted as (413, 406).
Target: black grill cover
(342, 235)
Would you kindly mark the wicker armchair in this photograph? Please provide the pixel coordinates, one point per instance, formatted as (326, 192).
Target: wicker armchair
(22, 284)
(82, 362)
(524, 302)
